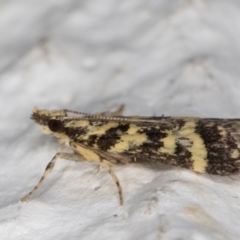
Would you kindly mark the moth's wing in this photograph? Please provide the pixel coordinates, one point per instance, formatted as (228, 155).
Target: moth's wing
(203, 145)
(221, 138)
(232, 129)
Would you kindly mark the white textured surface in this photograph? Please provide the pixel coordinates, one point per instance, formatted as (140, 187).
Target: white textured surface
(158, 57)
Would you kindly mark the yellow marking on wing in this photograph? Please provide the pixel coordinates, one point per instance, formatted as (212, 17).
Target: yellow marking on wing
(131, 137)
(199, 164)
(100, 130)
(133, 129)
(222, 131)
(199, 153)
(188, 128)
(235, 153)
(169, 143)
(126, 141)
(198, 149)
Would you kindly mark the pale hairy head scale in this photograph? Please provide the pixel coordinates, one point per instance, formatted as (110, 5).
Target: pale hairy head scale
(43, 117)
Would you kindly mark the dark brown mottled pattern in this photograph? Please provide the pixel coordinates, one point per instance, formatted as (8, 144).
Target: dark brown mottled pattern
(74, 133)
(183, 156)
(219, 148)
(180, 123)
(111, 137)
(151, 150)
(153, 134)
(91, 140)
(153, 143)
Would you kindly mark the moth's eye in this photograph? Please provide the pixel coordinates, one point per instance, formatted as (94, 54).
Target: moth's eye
(55, 125)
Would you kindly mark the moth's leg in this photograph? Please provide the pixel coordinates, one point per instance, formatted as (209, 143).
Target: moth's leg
(49, 168)
(118, 112)
(107, 165)
(94, 156)
(100, 167)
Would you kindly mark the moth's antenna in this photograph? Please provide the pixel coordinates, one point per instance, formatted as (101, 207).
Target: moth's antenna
(95, 116)
(106, 118)
(76, 112)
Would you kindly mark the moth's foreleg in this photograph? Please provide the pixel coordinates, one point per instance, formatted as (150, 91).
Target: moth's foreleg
(94, 156)
(108, 165)
(49, 168)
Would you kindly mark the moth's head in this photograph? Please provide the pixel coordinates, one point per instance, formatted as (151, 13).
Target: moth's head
(50, 121)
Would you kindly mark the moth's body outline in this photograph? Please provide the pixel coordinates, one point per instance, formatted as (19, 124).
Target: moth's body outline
(208, 145)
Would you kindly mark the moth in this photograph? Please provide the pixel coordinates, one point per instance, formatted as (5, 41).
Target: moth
(204, 145)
